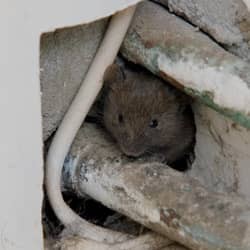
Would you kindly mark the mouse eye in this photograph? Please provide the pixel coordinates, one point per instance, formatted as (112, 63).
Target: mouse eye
(120, 118)
(153, 123)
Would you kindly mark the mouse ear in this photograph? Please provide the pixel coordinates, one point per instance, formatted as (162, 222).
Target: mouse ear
(113, 74)
(184, 101)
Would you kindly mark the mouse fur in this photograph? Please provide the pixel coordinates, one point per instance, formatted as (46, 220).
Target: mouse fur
(145, 115)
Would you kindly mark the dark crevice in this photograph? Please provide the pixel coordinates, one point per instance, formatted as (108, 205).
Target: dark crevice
(88, 208)
(185, 163)
(91, 210)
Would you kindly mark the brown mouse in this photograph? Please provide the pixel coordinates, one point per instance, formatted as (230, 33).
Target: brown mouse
(147, 116)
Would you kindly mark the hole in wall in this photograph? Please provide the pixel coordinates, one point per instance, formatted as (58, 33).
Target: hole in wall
(91, 210)
(56, 49)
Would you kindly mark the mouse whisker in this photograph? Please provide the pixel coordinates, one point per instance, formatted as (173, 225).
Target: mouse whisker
(148, 151)
(99, 114)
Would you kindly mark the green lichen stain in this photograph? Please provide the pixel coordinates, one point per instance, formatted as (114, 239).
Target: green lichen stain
(134, 50)
(206, 98)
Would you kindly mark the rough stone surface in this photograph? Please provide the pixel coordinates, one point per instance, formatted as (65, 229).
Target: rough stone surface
(222, 153)
(227, 21)
(65, 57)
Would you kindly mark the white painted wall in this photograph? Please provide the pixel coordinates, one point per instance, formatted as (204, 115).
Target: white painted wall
(21, 24)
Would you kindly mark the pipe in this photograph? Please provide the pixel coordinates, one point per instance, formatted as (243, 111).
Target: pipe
(71, 123)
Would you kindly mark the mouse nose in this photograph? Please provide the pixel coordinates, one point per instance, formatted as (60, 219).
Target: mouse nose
(131, 147)
(130, 136)
(130, 151)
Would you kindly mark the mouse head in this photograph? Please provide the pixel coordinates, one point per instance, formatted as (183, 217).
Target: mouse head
(141, 112)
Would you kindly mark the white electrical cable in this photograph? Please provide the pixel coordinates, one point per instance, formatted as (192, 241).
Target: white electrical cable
(72, 121)
(247, 2)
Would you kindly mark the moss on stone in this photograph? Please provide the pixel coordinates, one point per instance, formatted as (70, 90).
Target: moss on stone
(206, 98)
